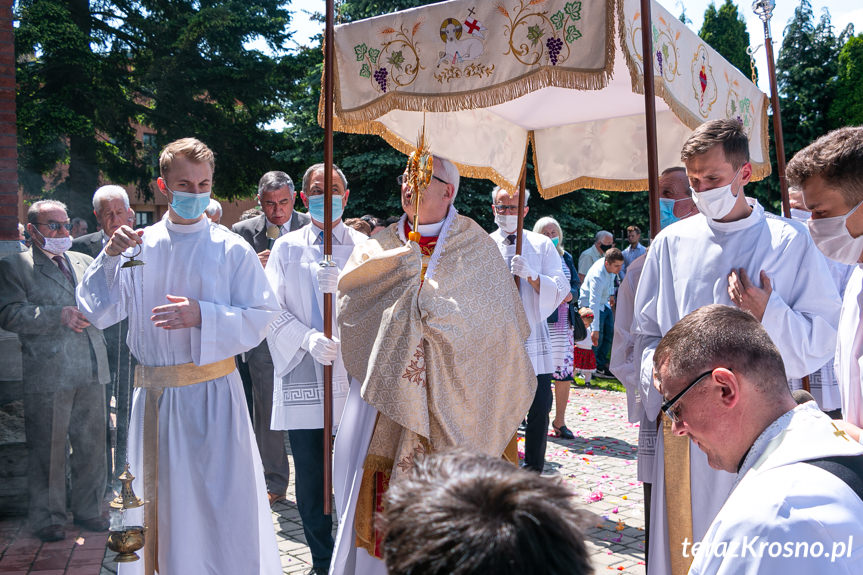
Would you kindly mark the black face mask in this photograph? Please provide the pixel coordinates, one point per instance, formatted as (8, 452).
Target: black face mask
(605, 247)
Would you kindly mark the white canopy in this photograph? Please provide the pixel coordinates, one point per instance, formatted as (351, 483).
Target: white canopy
(488, 78)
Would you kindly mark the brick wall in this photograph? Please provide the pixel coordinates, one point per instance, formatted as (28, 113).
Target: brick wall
(8, 140)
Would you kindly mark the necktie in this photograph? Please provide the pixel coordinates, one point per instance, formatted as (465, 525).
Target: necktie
(510, 239)
(61, 263)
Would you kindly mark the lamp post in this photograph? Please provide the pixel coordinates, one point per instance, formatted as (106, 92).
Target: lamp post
(764, 10)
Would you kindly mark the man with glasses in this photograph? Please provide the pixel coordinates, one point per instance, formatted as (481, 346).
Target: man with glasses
(730, 253)
(276, 195)
(433, 332)
(65, 366)
(797, 479)
(542, 288)
(300, 350)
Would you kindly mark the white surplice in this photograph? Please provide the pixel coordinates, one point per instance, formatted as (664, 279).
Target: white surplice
(298, 392)
(626, 367)
(849, 350)
(687, 267)
(785, 516)
(543, 258)
(213, 512)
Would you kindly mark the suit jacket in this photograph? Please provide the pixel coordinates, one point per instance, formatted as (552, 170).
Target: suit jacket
(254, 230)
(33, 292)
(121, 362)
(90, 244)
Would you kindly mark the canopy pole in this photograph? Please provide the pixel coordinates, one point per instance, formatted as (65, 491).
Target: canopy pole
(329, 52)
(777, 122)
(650, 116)
(522, 185)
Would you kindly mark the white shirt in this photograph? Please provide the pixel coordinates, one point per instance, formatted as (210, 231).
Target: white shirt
(597, 287)
(298, 379)
(788, 504)
(543, 257)
(849, 350)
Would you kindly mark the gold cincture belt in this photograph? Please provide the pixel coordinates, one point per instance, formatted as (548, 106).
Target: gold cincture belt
(154, 380)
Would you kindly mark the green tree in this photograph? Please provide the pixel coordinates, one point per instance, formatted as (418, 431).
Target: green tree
(725, 31)
(847, 106)
(89, 73)
(806, 72)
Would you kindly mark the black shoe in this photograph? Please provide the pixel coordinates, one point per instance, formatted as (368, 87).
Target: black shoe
(562, 432)
(94, 525)
(317, 571)
(51, 533)
(604, 374)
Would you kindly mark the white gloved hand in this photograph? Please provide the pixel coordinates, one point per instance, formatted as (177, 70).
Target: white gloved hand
(522, 269)
(322, 349)
(328, 278)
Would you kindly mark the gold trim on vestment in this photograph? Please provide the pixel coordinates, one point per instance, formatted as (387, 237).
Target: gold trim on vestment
(678, 497)
(154, 380)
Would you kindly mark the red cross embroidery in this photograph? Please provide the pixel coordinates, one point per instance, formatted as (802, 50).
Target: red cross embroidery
(472, 26)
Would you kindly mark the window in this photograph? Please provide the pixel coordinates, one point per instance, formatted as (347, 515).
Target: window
(143, 219)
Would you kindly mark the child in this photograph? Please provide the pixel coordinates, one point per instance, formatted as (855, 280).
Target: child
(584, 361)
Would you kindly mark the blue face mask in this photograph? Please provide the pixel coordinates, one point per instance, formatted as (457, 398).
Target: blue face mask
(555, 241)
(316, 207)
(187, 205)
(666, 212)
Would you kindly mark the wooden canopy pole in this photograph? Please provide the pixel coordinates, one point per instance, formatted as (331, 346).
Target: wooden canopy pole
(777, 125)
(650, 117)
(329, 54)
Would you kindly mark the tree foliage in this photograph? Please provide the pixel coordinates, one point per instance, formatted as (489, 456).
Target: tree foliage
(847, 106)
(725, 30)
(90, 72)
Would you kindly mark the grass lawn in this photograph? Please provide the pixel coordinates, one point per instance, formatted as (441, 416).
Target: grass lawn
(601, 383)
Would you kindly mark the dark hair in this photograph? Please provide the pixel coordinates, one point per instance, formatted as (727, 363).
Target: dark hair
(837, 157)
(458, 513)
(728, 133)
(613, 255)
(721, 336)
(673, 169)
(635, 229)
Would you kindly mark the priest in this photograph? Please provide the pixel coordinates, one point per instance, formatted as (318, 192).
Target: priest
(201, 298)
(433, 335)
(732, 254)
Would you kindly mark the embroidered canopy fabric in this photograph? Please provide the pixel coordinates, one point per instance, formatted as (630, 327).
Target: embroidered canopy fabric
(490, 78)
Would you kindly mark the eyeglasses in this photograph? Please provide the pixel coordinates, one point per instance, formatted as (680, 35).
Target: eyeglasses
(505, 209)
(54, 226)
(401, 178)
(668, 408)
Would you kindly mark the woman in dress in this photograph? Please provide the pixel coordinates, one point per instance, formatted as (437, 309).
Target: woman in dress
(560, 328)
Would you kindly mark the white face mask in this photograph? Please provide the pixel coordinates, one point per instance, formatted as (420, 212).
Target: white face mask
(56, 246)
(507, 224)
(832, 237)
(800, 215)
(718, 202)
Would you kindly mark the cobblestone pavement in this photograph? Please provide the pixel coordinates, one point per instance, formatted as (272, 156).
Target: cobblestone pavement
(599, 465)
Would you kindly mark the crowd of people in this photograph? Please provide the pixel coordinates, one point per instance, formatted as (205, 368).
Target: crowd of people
(437, 357)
